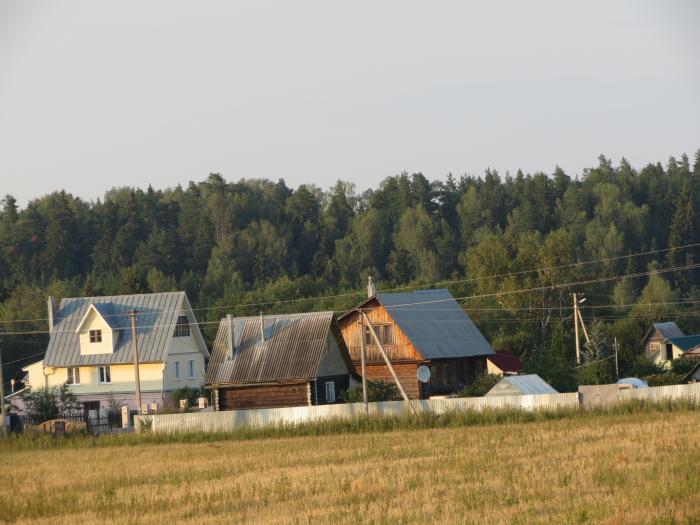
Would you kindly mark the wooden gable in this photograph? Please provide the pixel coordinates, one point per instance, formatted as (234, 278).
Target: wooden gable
(399, 348)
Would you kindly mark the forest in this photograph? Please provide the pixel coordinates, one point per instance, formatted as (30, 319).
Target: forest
(511, 248)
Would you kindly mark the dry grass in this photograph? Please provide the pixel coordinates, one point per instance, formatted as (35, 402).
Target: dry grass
(634, 468)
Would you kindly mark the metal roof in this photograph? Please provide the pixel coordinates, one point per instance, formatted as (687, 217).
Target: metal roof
(669, 330)
(293, 348)
(506, 362)
(686, 342)
(156, 319)
(525, 384)
(435, 323)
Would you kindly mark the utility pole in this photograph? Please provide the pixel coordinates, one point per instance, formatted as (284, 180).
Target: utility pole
(388, 363)
(578, 343)
(617, 370)
(362, 359)
(2, 398)
(135, 349)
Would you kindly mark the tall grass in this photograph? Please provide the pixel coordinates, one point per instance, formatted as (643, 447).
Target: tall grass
(334, 426)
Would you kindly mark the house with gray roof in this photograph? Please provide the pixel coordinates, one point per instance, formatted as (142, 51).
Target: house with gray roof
(418, 328)
(278, 361)
(664, 342)
(90, 348)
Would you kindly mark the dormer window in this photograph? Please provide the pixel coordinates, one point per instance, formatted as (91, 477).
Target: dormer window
(95, 336)
(182, 328)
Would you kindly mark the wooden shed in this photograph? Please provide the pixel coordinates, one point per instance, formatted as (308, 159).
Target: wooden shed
(425, 327)
(278, 361)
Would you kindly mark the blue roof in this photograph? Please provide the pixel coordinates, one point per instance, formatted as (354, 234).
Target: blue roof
(669, 330)
(436, 324)
(686, 342)
(637, 383)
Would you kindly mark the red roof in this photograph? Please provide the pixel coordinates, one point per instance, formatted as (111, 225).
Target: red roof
(506, 362)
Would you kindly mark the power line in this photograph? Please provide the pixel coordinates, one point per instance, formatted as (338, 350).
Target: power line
(408, 287)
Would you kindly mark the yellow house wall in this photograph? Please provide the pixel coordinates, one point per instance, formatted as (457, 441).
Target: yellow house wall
(493, 369)
(122, 376)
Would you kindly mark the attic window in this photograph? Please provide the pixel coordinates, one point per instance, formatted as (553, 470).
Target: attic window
(182, 328)
(95, 336)
(384, 332)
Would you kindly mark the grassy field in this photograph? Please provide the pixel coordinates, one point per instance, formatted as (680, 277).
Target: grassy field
(621, 468)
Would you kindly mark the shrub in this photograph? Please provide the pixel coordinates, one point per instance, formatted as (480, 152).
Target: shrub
(480, 386)
(50, 403)
(191, 394)
(376, 391)
(664, 379)
(683, 365)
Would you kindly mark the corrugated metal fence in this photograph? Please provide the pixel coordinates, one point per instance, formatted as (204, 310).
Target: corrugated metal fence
(229, 420)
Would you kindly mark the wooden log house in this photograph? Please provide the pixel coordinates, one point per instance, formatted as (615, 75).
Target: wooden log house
(425, 327)
(278, 361)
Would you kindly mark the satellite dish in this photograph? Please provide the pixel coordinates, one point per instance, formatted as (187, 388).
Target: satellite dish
(423, 374)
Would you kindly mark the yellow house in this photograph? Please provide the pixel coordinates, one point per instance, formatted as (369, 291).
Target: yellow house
(90, 348)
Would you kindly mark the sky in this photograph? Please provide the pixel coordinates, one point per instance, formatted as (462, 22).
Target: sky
(98, 94)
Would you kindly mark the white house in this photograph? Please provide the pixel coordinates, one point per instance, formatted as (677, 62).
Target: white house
(90, 348)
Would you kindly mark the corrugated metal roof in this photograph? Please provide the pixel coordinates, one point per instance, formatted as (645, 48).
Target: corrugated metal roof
(293, 348)
(525, 384)
(686, 342)
(436, 324)
(669, 330)
(155, 325)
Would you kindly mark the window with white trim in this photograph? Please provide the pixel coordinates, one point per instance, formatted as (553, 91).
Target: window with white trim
(104, 374)
(73, 375)
(330, 392)
(177, 370)
(190, 369)
(95, 336)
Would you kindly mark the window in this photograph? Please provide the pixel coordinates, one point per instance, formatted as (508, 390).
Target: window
(95, 336)
(182, 328)
(177, 370)
(190, 368)
(104, 374)
(385, 333)
(73, 376)
(330, 392)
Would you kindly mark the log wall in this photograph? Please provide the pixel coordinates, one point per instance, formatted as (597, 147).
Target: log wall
(264, 396)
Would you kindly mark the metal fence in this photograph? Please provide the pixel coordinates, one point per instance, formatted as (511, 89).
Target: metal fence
(689, 392)
(100, 423)
(230, 420)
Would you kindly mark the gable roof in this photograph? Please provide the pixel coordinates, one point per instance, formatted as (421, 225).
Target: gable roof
(435, 323)
(686, 342)
(294, 347)
(506, 362)
(669, 330)
(107, 313)
(155, 326)
(525, 384)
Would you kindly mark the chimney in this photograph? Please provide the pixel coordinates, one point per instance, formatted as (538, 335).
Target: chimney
(371, 290)
(51, 304)
(230, 335)
(262, 328)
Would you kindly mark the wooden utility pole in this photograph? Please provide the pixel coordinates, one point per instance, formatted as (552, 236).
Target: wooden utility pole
(617, 370)
(388, 363)
(135, 349)
(2, 398)
(364, 370)
(578, 343)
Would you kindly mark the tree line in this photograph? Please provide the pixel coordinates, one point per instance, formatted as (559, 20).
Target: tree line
(231, 244)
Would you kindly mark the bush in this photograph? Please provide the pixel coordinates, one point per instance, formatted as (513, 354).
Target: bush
(50, 403)
(683, 365)
(643, 366)
(480, 386)
(191, 394)
(664, 379)
(376, 391)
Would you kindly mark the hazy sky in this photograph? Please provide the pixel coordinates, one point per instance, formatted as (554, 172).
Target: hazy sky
(101, 94)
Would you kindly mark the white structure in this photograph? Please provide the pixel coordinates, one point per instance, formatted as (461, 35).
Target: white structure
(90, 348)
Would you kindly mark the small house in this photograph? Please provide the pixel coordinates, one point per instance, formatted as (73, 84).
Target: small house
(278, 361)
(521, 386)
(90, 348)
(664, 342)
(503, 364)
(419, 328)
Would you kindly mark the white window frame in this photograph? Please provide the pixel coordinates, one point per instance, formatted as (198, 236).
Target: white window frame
(74, 377)
(190, 369)
(330, 389)
(176, 371)
(104, 372)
